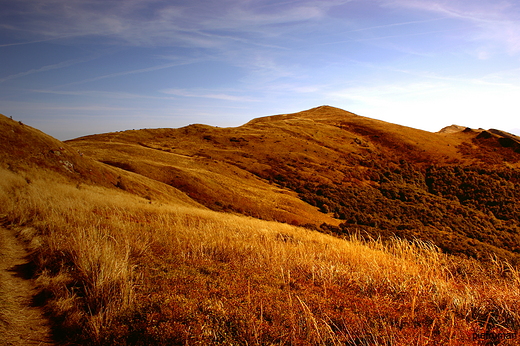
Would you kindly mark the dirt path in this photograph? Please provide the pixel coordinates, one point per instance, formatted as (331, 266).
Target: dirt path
(21, 323)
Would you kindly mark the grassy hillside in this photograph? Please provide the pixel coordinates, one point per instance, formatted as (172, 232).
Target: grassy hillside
(342, 173)
(115, 266)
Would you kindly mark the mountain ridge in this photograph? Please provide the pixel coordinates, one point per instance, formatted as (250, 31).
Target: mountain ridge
(125, 250)
(332, 169)
(325, 168)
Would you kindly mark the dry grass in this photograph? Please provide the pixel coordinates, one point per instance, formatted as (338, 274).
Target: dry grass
(118, 269)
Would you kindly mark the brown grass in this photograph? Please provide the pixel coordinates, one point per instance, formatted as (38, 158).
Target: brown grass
(115, 268)
(242, 169)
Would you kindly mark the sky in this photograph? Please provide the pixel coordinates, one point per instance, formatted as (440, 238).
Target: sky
(77, 67)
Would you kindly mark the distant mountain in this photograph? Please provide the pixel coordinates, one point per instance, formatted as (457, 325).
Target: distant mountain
(340, 172)
(452, 129)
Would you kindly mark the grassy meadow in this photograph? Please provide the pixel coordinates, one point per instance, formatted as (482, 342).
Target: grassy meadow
(114, 268)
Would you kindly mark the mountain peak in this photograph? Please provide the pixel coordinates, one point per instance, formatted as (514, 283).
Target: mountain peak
(313, 113)
(326, 108)
(453, 129)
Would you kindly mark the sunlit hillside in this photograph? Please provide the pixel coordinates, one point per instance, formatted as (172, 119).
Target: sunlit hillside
(122, 255)
(330, 169)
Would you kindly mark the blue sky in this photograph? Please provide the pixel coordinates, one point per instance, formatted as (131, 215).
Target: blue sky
(77, 67)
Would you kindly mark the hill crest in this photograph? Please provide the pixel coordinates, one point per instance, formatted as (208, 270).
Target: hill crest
(325, 168)
(341, 172)
(113, 268)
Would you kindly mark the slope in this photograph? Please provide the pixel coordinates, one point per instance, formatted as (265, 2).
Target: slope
(114, 269)
(25, 149)
(457, 189)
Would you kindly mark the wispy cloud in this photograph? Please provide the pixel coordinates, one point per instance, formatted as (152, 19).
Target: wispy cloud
(208, 94)
(375, 38)
(245, 34)
(100, 94)
(126, 73)
(386, 26)
(37, 41)
(51, 67)
(154, 22)
(37, 107)
(497, 22)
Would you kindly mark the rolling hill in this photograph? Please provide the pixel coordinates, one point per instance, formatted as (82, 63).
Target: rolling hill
(312, 228)
(331, 169)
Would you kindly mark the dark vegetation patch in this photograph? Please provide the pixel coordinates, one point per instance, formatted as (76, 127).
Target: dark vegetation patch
(468, 211)
(492, 148)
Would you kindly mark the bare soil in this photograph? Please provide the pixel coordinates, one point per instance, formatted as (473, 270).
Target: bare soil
(21, 321)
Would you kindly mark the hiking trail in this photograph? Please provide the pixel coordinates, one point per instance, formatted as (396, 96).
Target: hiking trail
(21, 322)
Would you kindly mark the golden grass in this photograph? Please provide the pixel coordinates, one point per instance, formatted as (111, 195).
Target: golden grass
(204, 172)
(219, 167)
(118, 269)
